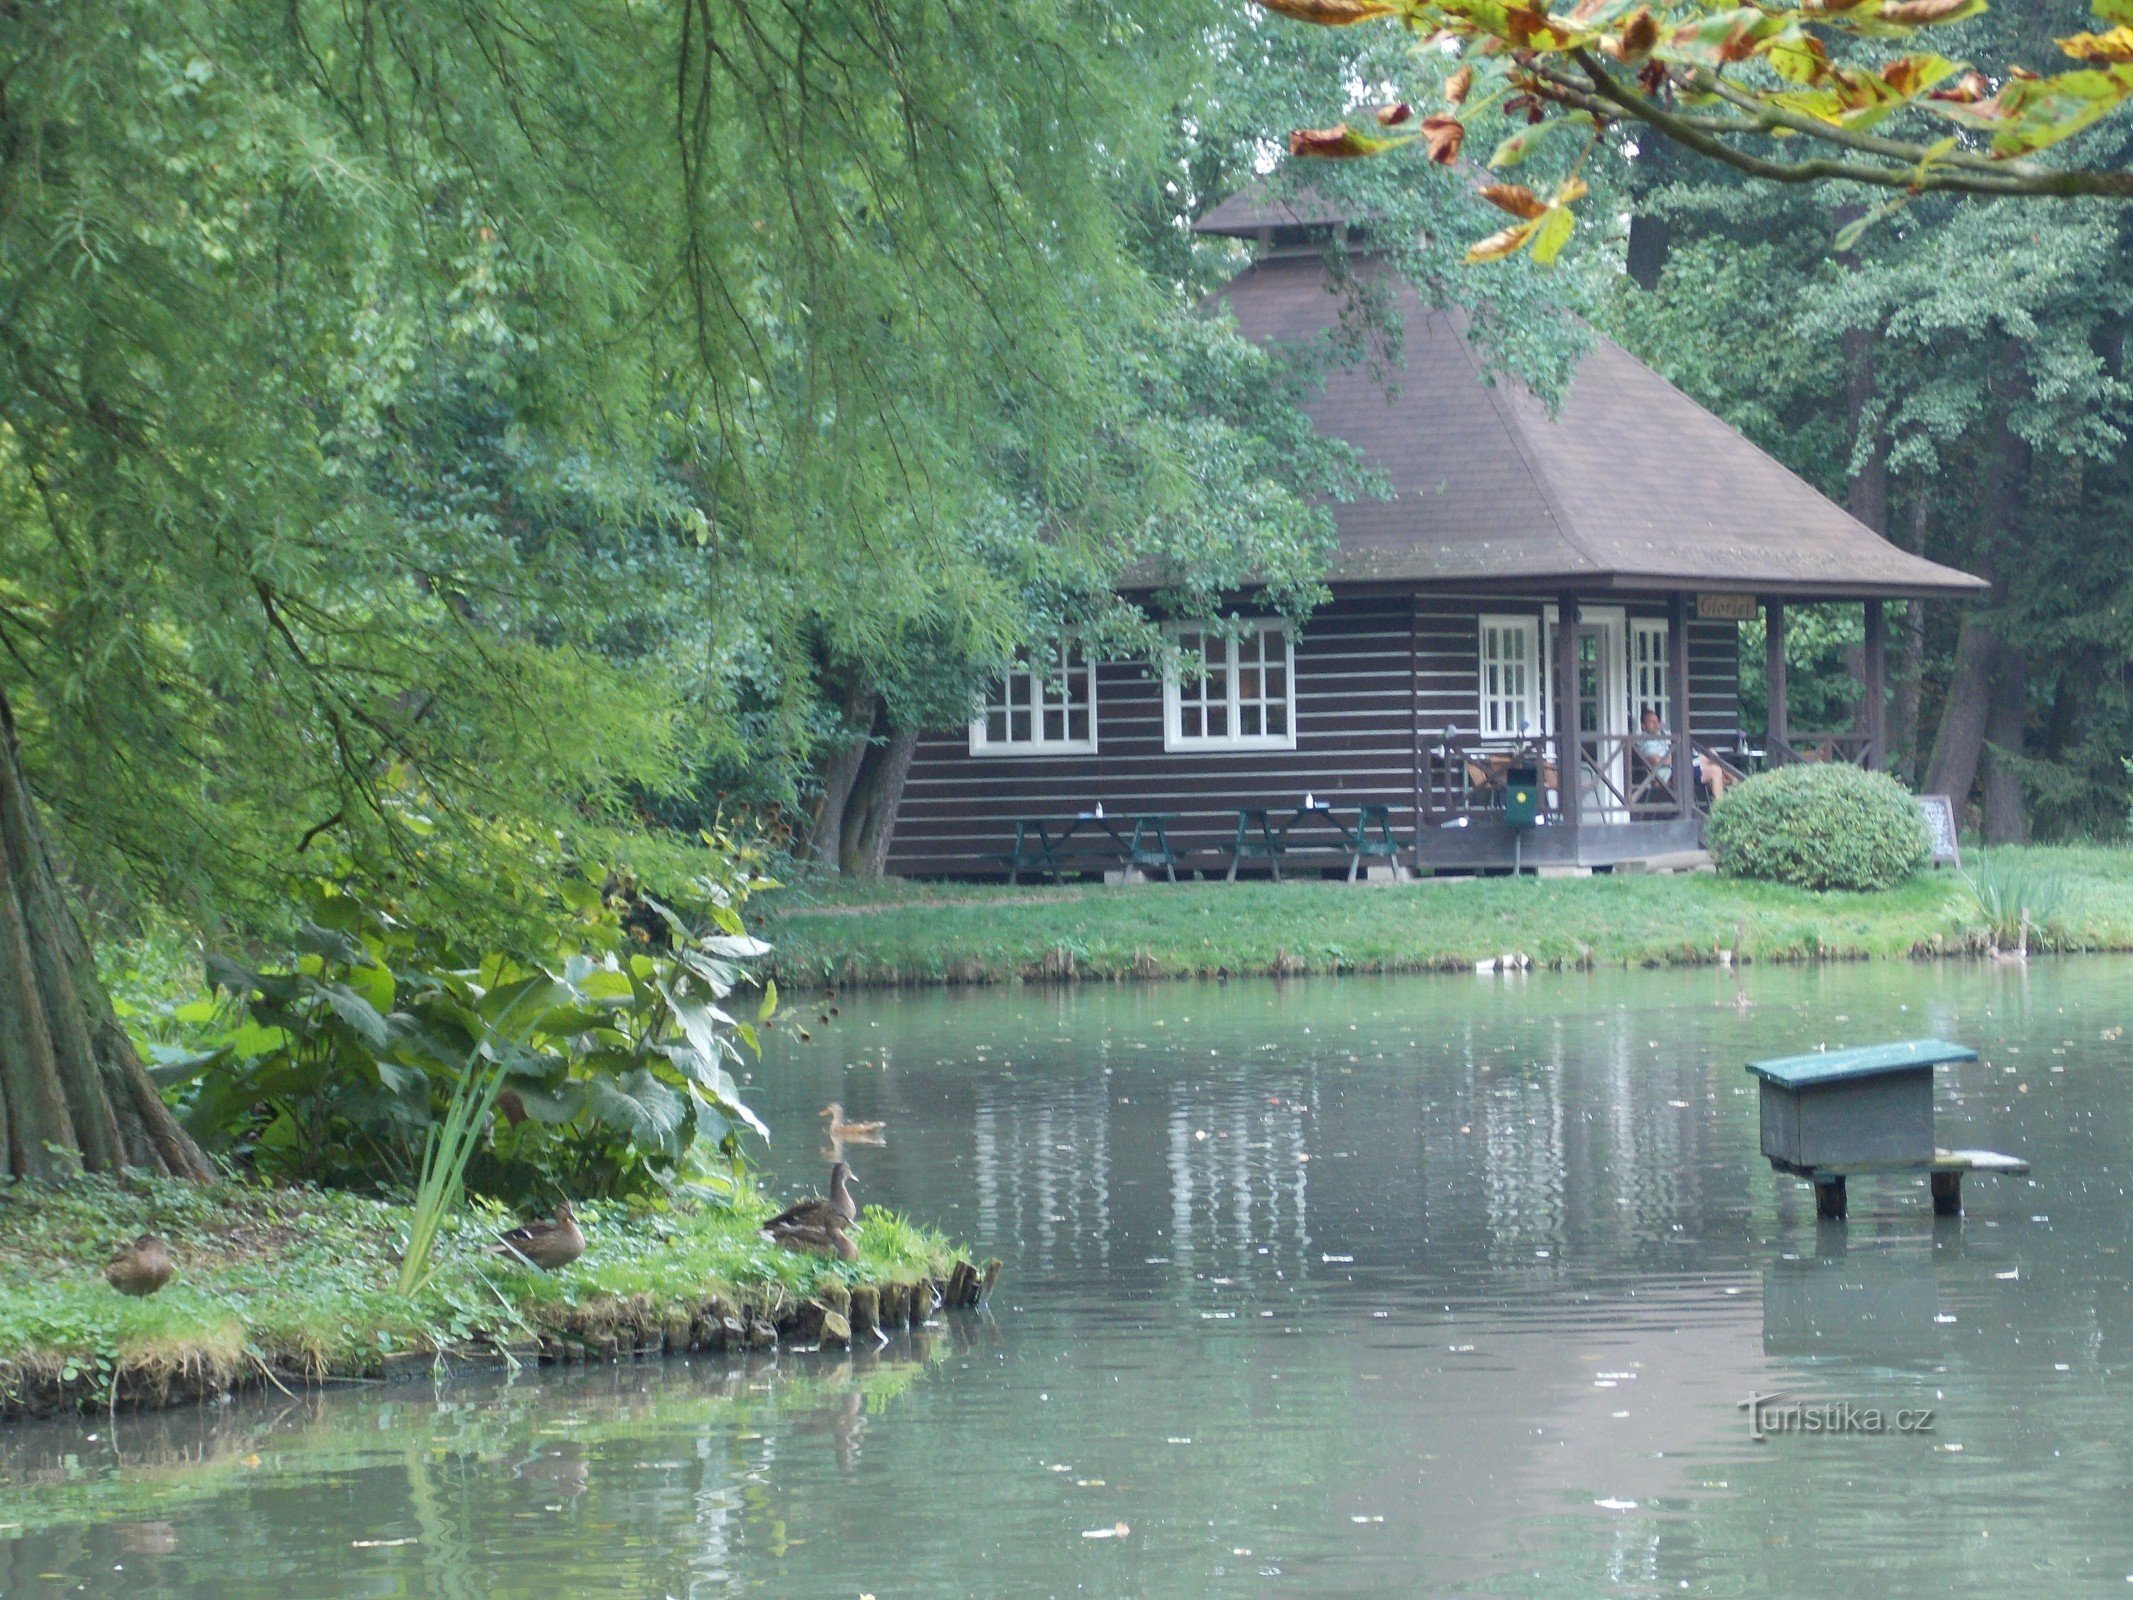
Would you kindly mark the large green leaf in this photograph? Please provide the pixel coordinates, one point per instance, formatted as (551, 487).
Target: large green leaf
(639, 1105)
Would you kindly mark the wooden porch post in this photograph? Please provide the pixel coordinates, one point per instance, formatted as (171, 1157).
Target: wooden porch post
(1568, 754)
(1877, 701)
(1677, 671)
(1775, 733)
(1422, 801)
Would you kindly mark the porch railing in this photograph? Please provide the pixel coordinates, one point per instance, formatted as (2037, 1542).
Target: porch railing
(1620, 777)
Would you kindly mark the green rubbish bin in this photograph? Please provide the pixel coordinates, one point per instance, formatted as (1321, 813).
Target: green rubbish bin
(1522, 796)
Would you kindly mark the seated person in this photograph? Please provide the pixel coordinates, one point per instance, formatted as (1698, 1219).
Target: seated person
(1656, 748)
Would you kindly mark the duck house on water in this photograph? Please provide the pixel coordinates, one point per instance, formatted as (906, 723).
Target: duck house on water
(1841, 1113)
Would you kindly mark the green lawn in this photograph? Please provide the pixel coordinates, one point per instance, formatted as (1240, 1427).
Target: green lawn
(301, 1282)
(913, 933)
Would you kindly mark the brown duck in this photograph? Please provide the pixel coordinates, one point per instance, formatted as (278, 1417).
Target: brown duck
(815, 1211)
(548, 1245)
(814, 1239)
(142, 1268)
(852, 1132)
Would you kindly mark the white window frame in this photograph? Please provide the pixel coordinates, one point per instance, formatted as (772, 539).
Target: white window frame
(1232, 635)
(1660, 696)
(1045, 686)
(1531, 701)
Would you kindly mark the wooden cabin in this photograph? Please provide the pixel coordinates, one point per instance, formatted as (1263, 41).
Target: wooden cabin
(1525, 576)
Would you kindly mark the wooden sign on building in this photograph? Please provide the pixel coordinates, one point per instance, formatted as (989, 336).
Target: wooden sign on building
(1725, 608)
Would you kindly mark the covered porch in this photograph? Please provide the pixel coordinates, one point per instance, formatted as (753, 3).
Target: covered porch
(1646, 773)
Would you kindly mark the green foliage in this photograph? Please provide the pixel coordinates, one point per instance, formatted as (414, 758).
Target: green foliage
(477, 428)
(1820, 825)
(2020, 899)
(377, 1057)
(304, 1279)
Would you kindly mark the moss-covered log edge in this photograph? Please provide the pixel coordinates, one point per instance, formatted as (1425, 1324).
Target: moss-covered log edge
(607, 1329)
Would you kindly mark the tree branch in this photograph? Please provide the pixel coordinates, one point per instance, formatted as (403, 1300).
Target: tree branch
(1924, 172)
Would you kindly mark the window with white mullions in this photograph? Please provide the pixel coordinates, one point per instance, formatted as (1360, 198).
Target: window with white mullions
(1651, 686)
(1510, 677)
(1047, 709)
(1233, 688)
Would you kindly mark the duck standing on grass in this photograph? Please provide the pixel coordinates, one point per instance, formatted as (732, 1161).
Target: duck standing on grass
(141, 1268)
(547, 1245)
(815, 1226)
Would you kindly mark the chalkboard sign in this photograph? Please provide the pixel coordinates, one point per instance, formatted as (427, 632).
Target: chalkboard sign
(1939, 812)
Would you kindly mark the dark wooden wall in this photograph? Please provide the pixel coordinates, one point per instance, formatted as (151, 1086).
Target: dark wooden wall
(1370, 669)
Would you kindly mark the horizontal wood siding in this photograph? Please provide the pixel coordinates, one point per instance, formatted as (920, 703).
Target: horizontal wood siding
(1714, 683)
(1371, 668)
(1353, 709)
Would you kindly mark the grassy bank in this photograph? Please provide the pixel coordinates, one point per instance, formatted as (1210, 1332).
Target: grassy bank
(287, 1286)
(911, 933)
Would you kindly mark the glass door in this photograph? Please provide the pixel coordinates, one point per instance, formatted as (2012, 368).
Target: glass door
(1600, 715)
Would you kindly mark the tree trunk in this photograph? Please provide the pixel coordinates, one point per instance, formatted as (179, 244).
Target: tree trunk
(1868, 496)
(1911, 660)
(2006, 812)
(825, 830)
(1953, 768)
(870, 815)
(1961, 739)
(73, 1094)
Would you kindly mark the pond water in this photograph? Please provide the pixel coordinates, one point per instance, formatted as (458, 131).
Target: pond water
(1444, 1286)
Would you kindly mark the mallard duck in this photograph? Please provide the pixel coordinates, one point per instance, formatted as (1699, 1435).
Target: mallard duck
(548, 1245)
(142, 1268)
(816, 1212)
(856, 1132)
(814, 1239)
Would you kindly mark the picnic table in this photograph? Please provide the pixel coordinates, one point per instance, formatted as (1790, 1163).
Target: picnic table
(1258, 834)
(1038, 848)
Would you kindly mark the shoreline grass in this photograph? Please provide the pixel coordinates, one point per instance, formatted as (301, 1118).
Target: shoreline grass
(288, 1286)
(910, 933)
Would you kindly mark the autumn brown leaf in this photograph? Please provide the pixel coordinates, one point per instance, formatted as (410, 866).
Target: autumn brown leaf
(1967, 90)
(1455, 89)
(1506, 242)
(1444, 135)
(1337, 143)
(1640, 35)
(1917, 13)
(1515, 198)
(1393, 115)
(2100, 49)
(1331, 13)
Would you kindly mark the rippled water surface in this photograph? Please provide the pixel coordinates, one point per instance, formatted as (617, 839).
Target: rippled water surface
(1422, 1286)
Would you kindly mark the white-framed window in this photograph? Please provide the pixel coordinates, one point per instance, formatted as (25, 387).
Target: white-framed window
(1244, 695)
(1510, 677)
(1650, 684)
(1047, 709)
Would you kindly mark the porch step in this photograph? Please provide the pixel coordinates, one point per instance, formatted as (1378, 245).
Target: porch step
(1671, 861)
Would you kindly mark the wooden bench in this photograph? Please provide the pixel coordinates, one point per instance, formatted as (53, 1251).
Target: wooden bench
(1844, 1113)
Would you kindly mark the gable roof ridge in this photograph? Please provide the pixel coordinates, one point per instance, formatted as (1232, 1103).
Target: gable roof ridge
(1524, 446)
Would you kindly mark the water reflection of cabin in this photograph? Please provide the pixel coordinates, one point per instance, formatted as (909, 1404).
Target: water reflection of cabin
(1615, 549)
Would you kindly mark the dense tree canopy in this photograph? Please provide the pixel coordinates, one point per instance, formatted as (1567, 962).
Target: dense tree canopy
(441, 437)
(490, 414)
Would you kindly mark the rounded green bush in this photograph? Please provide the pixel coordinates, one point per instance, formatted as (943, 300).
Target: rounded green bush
(1821, 825)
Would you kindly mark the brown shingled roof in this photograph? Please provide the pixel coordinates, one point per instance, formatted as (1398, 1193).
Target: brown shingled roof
(1633, 486)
